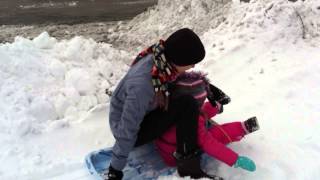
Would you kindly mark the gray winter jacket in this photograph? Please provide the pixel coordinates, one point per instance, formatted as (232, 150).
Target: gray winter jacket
(131, 100)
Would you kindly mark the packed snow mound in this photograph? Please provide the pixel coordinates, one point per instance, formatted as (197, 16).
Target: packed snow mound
(221, 16)
(280, 19)
(168, 16)
(58, 80)
(264, 22)
(263, 54)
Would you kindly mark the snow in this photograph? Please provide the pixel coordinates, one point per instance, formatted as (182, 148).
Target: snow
(47, 88)
(263, 54)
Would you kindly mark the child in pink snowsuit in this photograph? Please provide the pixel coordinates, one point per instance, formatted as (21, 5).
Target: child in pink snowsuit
(211, 140)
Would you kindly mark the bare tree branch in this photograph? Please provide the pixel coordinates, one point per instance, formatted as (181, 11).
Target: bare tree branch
(302, 24)
(268, 9)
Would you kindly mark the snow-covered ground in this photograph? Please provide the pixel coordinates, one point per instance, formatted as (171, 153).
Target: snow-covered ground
(264, 54)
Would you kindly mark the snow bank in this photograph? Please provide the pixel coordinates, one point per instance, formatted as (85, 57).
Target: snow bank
(264, 54)
(168, 16)
(43, 80)
(224, 16)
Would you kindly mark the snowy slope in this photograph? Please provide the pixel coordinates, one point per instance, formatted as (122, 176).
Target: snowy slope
(264, 54)
(48, 90)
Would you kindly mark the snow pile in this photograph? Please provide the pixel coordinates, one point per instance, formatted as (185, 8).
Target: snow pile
(168, 16)
(279, 19)
(224, 16)
(264, 54)
(43, 80)
(308, 10)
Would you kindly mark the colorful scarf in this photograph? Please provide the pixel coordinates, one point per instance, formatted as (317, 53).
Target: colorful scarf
(162, 72)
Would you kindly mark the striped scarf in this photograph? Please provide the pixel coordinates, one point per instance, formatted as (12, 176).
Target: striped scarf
(162, 73)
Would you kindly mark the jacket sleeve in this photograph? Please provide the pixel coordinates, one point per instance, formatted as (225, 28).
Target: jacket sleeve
(134, 110)
(213, 147)
(209, 110)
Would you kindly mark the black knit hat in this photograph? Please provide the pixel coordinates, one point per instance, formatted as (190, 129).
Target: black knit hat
(184, 47)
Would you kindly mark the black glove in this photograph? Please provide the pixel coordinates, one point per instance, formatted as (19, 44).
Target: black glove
(218, 95)
(113, 174)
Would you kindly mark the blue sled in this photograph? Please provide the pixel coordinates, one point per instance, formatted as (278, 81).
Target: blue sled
(143, 163)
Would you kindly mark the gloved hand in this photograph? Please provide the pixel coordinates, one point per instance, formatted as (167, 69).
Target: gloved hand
(218, 95)
(113, 174)
(245, 163)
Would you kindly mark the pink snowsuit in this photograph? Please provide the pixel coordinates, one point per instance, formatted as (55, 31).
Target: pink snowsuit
(212, 141)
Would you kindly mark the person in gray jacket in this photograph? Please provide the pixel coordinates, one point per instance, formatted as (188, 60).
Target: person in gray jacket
(141, 110)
